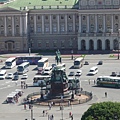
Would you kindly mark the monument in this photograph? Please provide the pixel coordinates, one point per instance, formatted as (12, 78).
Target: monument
(59, 83)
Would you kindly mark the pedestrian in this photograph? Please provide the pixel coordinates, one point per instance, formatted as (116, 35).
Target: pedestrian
(24, 106)
(94, 82)
(89, 81)
(26, 86)
(49, 106)
(71, 117)
(70, 114)
(46, 112)
(52, 117)
(43, 113)
(105, 94)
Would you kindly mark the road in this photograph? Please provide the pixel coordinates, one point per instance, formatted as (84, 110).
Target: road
(16, 111)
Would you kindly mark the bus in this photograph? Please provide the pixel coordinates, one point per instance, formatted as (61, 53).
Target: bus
(78, 62)
(38, 79)
(33, 60)
(42, 64)
(108, 81)
(23, 68)
(10, 62)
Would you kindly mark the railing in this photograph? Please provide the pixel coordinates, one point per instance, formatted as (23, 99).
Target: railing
(50, 7)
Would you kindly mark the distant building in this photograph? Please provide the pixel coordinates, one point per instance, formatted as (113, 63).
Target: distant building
(59, 24)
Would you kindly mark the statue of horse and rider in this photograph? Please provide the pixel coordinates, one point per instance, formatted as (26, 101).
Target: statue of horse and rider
(58, 57)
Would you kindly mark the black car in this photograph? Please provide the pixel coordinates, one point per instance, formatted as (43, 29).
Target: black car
(86, 63)
(16, 77)
(100, 62)
(114, 74)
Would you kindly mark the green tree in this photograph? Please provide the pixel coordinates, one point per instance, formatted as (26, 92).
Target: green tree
(103, 111)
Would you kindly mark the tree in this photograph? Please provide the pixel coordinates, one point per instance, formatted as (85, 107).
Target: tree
(103, 111)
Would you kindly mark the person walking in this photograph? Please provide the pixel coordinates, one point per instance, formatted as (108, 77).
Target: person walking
(43, 113)
(70, 114)
(105, 94)
(89, 81)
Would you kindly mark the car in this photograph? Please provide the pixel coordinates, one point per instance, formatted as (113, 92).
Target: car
(72, 73)
(86, 63)
(100, 62)
(24, 76)
(9, 76)
(78, 73)
(16, 77)
(118, 74)
(114, 74)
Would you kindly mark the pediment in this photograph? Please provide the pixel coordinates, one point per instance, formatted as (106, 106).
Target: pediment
(8, 9)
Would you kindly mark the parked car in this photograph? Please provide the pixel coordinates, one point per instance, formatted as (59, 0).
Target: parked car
(100, 62)
(9, 76)
(86, 63)
(25, 76)
(72, 73)
(78, 73)
(16, 77)
(118, 74)
(114, 74)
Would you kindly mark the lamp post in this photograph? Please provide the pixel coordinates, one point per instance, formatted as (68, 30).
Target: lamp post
(29, 50)
(31, 112)
(61, 107)
(118, 44)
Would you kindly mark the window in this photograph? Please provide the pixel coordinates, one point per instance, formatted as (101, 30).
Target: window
(84, 17)
(70, 43)
(39, 29)
(38, 17)
(54, 28)
(17, 29)
(47, 44)
(62, 28)
(116, 17)
(70, 28)
(62, 17)
(46, 17)
(54, 17)
(31, 17)
(69, 17)
(62, 43)
(39, 44)
(31, 29)
(54, 44)
(46, 28)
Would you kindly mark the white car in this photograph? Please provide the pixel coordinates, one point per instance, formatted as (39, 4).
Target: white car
(25, 76)
(9, 76)
(78, 73)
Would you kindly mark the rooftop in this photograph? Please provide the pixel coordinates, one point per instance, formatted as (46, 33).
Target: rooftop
(44, 3)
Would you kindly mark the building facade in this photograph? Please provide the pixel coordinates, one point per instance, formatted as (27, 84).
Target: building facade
(86, 25)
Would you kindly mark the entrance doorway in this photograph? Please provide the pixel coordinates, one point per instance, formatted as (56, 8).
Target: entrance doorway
(9, 46)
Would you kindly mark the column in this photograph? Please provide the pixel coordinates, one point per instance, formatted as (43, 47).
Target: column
(112, 27)
(13, 26)
(5, 27)
(21, 26)
(103, 44)
(25, 23)
(104, 25)
(88, 23)
(50, 24)
(58, 23)
(42, 24)
(87, 43)
(111, 43)
(35, 24)
(66, 23)
(79, 43)
(95, 44)
(79, 23)
(96, 25)
(74, 23)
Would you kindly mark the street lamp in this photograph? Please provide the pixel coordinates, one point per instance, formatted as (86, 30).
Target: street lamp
(32, 112)
(118, 44)
(29, 50)
(61, 107)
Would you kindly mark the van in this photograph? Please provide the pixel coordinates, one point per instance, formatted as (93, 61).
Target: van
(93, 70)
(47, 70)
(3, 74)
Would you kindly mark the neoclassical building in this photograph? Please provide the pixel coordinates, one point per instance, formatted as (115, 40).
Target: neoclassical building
(59, 24)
